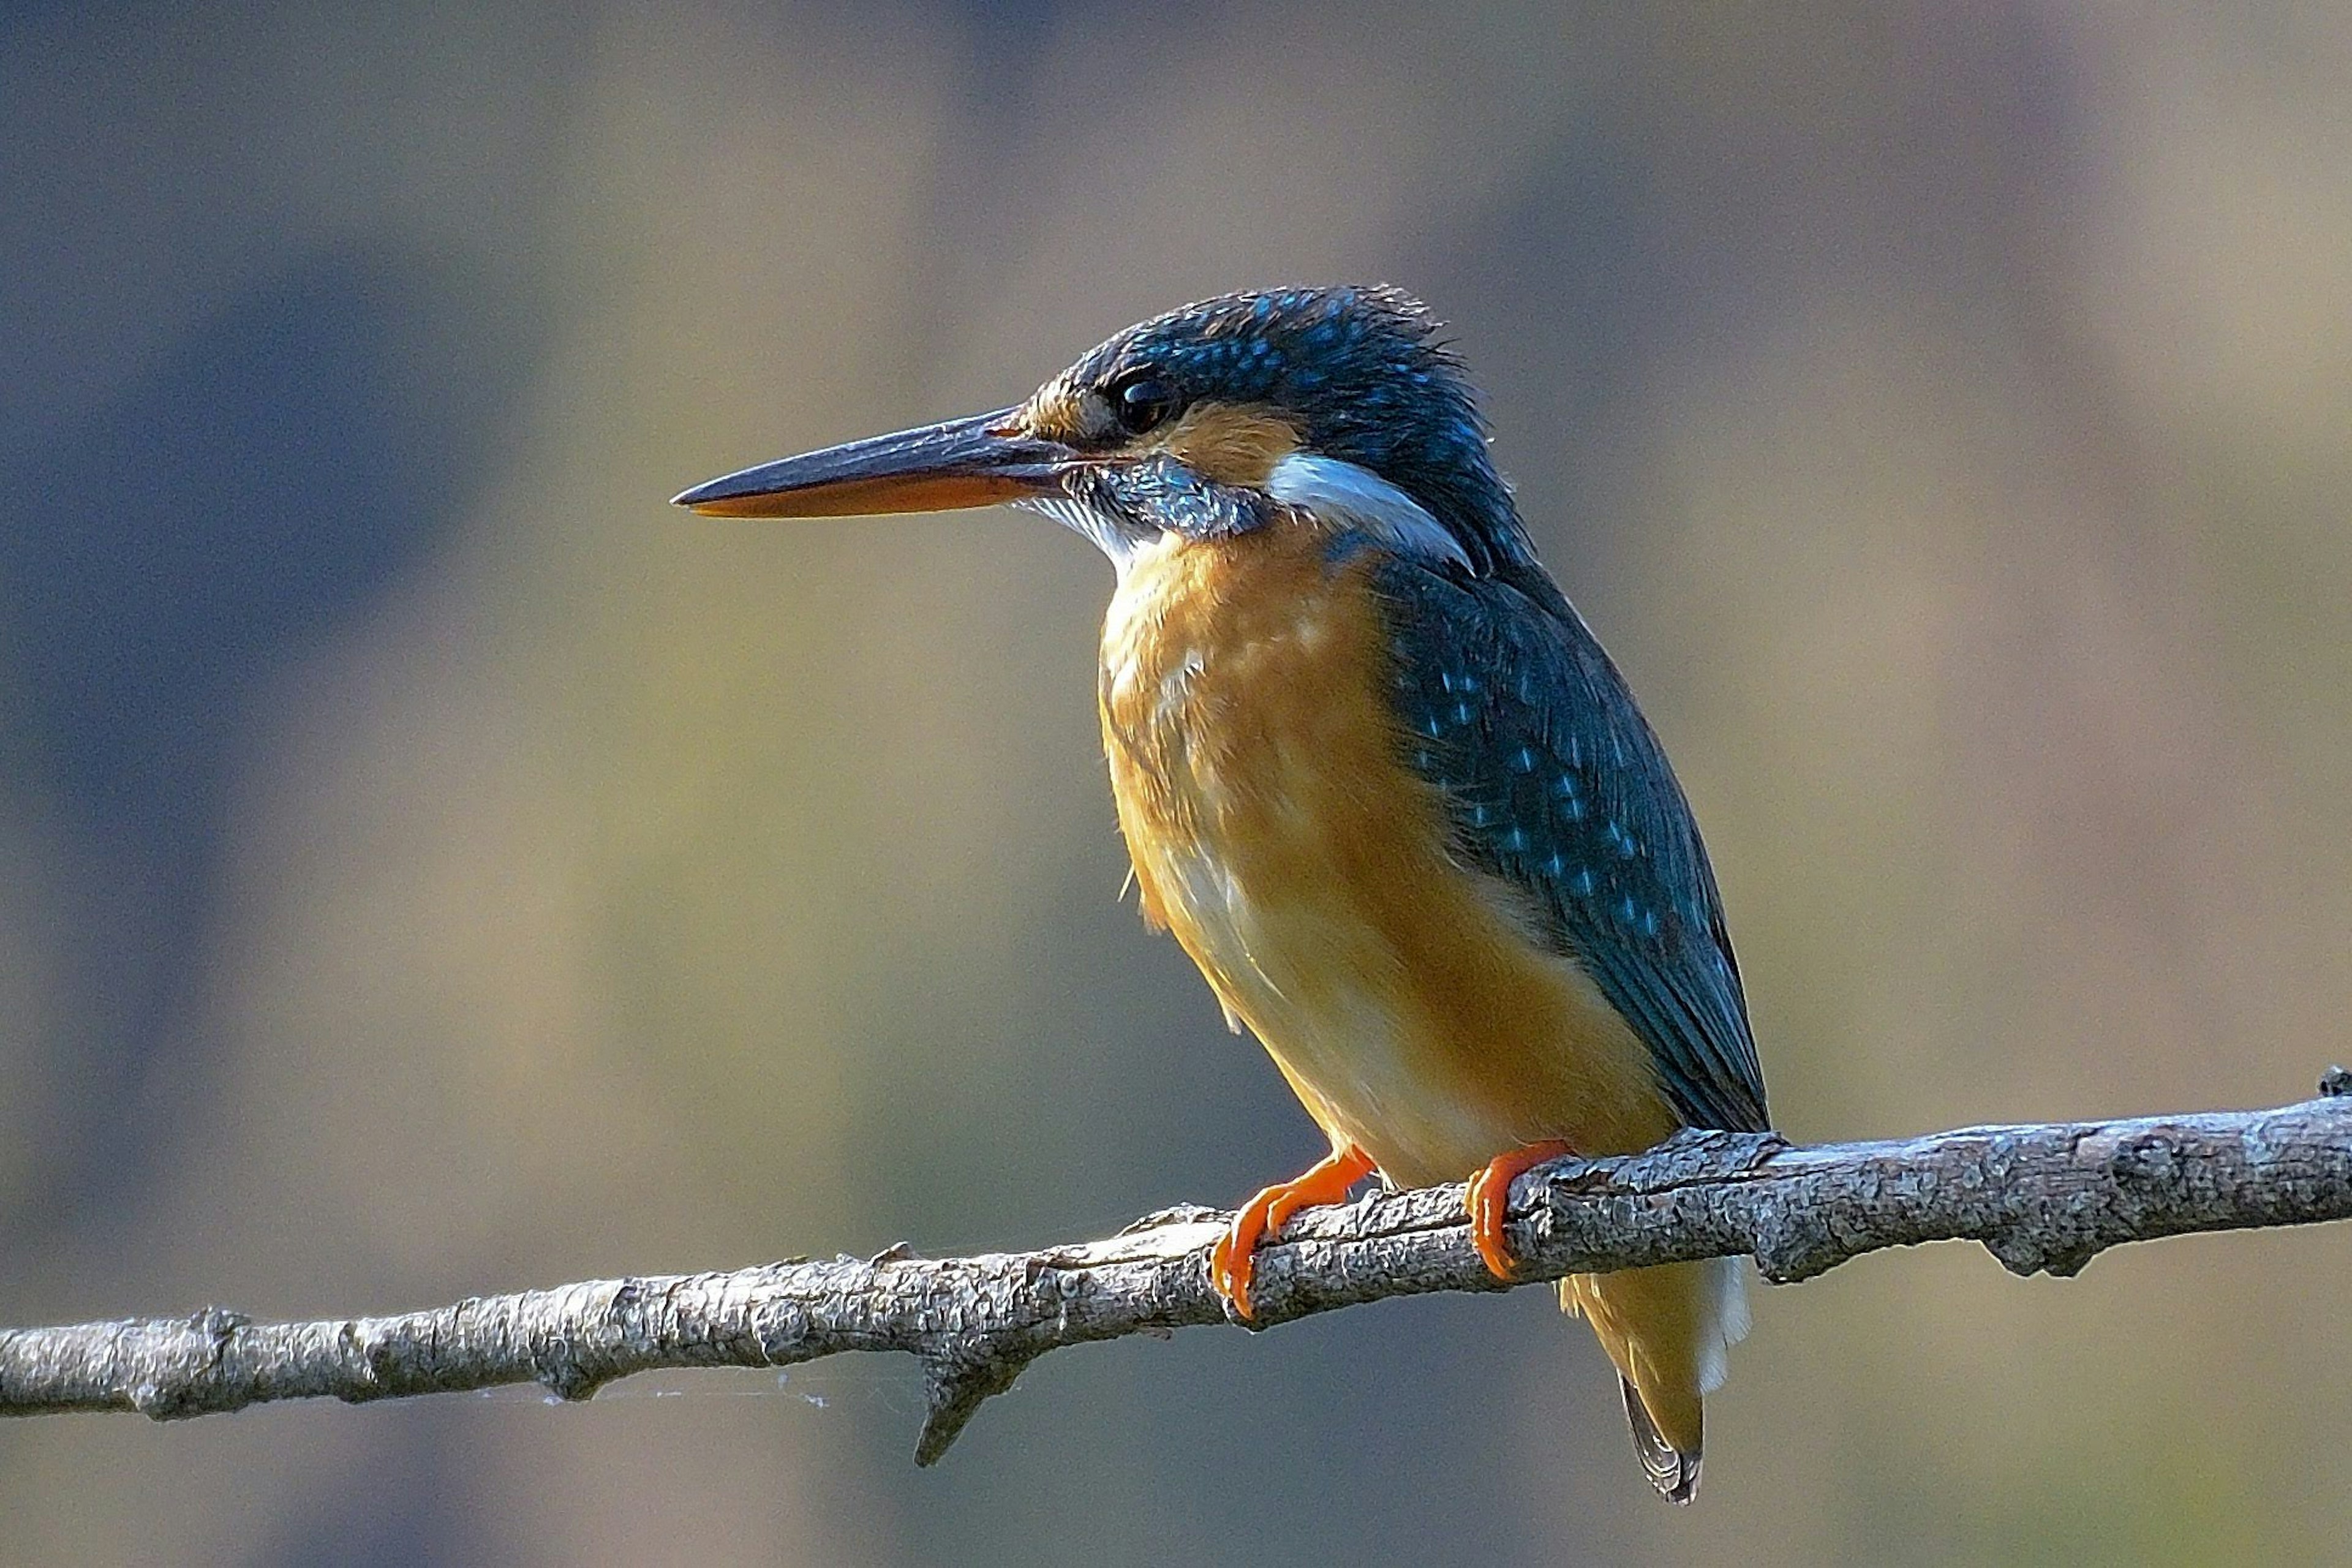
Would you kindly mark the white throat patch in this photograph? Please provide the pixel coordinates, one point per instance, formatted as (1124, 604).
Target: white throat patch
(1114, 537)
(1342, 493)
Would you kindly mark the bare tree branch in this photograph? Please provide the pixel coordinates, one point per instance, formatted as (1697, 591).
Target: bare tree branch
(2041, 1198)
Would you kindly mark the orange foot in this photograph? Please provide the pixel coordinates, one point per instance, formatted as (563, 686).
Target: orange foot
(1490, 1196)
(1236, 1255)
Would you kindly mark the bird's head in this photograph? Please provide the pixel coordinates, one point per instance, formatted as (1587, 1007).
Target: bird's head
(1218, 418)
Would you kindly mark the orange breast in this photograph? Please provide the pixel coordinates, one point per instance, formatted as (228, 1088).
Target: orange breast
(1277, 832)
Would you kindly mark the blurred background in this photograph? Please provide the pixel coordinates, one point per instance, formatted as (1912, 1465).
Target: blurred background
(430, 865)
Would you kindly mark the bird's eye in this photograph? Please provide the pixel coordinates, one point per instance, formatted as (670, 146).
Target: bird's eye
(1141, 401)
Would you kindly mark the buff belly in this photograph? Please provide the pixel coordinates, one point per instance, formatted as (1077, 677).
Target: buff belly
(1276, 833)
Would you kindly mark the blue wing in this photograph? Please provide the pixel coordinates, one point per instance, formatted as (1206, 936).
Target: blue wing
(1555, 783)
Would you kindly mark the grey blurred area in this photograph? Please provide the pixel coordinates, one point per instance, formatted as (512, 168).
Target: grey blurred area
(430, 865)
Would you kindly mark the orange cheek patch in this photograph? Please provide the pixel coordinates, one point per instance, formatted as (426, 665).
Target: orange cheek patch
(1228, 443)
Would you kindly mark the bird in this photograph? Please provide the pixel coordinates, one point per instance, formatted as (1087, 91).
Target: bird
(1375, 775)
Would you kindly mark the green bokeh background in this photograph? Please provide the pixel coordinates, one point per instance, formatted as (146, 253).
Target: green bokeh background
(429, 865)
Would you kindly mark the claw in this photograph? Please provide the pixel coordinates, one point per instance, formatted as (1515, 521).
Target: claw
(1235, 1258)
(1490, 1200)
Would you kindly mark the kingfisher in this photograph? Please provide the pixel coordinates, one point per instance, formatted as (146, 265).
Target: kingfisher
(1375, 775)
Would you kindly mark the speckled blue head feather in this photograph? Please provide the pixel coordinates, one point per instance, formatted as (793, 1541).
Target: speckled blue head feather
(1362, 373)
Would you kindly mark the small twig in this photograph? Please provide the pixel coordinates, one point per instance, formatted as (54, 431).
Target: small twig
(2043, 1198)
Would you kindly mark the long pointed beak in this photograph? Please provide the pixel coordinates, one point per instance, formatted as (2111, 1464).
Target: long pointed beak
(965, 462)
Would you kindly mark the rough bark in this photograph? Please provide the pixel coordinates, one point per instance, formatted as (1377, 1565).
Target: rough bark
(2041, 1198)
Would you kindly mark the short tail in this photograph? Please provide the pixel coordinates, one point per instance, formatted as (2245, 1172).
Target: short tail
(1666, 1328)
(1673, 1472)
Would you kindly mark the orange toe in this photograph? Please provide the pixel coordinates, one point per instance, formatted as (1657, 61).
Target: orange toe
(1490, 1199)
(1235, 1257)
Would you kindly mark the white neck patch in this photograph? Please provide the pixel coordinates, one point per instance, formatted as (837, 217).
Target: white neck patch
(1342, 493)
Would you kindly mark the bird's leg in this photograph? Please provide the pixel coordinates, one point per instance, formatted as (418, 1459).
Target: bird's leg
(1490, 1199)
(1325, 1182)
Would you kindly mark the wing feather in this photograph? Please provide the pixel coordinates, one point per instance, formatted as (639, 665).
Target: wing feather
(1556, 783)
